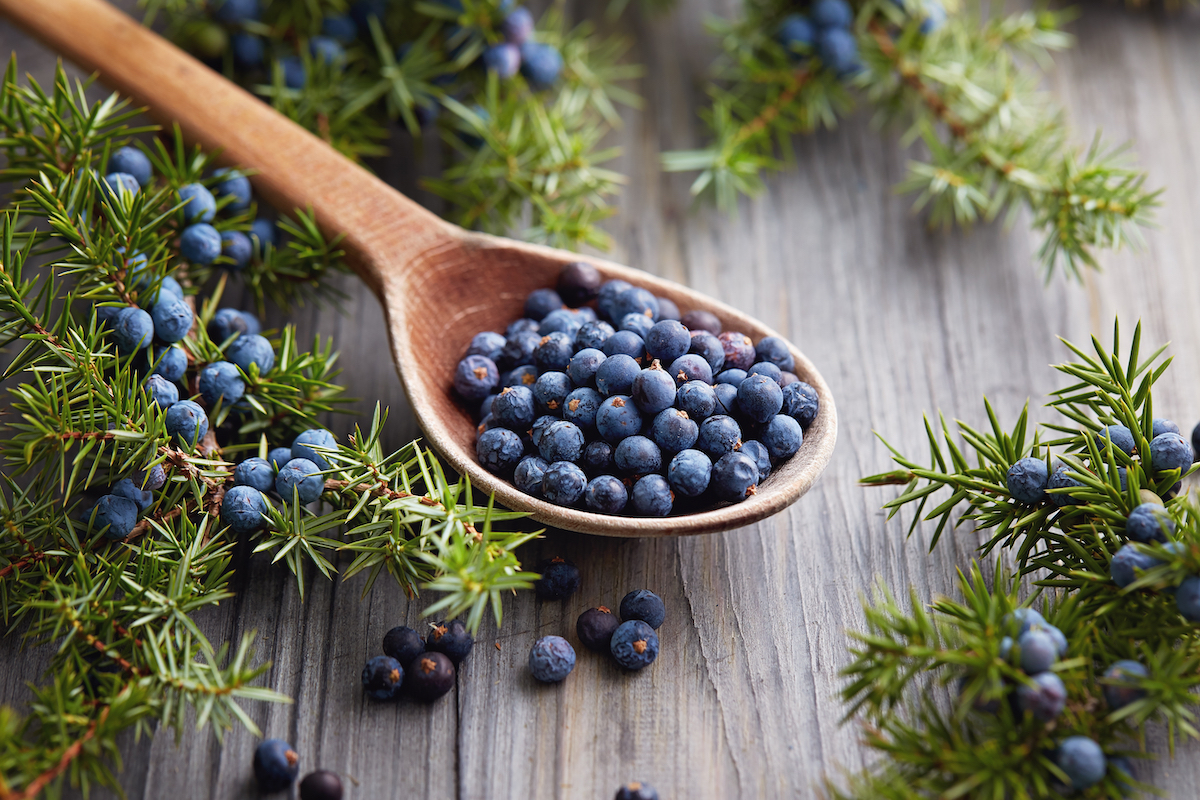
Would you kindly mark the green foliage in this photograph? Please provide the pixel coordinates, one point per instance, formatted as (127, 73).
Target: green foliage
(1066, 552)
(969, 92)
(512, 153)
(119, 616)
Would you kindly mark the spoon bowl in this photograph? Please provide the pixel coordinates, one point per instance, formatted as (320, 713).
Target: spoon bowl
(439, 284)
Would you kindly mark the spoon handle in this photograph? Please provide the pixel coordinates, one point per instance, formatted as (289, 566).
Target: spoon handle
(295, 169)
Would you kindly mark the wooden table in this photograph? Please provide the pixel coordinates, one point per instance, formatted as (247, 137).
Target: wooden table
(742, 701)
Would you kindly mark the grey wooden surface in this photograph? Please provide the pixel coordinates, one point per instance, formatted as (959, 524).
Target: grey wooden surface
(742, 701)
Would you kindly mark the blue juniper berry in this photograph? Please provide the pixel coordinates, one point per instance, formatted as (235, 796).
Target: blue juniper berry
(256, 472)
(475, 377)
(606, 494)
(200, 243)
(451, 639)
(580, 407)
(276, 765)
(645, 605)
(142, 498)
(652, 496)
(618, 418)
(302, 476)
(551, 659)
(1027, 480)
(242, 509)
(403, 644)
(528, 474)
(499, 450)
(616, 374)
(690, 367)
(220, 383)
(187, 422)
(593, 335)
(554, 352)
(689, 473)
(564, 483)
(199, 205)
(560, 579)
(382, 678)
(626, 342)
(634, 644)
(734, 476)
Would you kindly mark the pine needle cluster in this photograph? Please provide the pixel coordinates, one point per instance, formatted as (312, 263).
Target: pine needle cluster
(1065, 546)
(118, 617)
(967, 88)
(516, 154)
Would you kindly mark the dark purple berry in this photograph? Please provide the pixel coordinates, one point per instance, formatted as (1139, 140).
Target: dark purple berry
(321, 785)
(429, 676)
(595, 628)
(450, 639)
(382, 678)
(739, 350)
(578, 283)
(403, 644)
(560, 579)
(276, 765)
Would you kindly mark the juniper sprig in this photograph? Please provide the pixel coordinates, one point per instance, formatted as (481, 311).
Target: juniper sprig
(1115, 592)
(81, 427)
(515, 152)
(967, 88)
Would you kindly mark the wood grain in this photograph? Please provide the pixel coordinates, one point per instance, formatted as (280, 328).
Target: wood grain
(742, 702)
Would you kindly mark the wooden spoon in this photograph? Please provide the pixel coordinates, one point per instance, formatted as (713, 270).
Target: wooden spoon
(439, 284)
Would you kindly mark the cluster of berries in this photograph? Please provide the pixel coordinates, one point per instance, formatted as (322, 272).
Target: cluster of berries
(540, 63)
(294, 471)
(424, 668)
(276, 765)
(1035, 648)
(1029, 479)
(629, 406)
(235, 26)
(234, 29)
(826, 32)
(632, 641)
(129, 171)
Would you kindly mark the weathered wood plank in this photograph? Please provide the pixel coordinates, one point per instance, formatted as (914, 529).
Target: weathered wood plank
(742, 702)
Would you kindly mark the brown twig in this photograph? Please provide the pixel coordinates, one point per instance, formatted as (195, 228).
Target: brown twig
(39, 783)
(801, 78)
